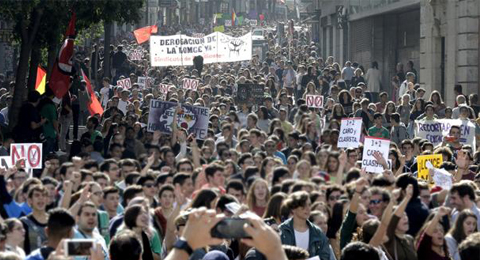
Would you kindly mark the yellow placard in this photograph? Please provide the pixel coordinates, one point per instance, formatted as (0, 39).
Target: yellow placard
(435, 159)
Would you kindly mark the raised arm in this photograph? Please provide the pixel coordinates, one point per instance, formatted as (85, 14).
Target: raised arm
(342, 162)
(377, 238)
(442, 211)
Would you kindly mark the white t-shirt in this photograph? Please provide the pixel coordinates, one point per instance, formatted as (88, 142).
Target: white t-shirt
(105, 92)
(122, 105)
(302, 239)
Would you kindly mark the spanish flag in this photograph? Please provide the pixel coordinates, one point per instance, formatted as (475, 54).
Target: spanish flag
(40, 82)
(234, 17)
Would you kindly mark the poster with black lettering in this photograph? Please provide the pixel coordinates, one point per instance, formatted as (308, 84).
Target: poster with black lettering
(252, 94)
(192, 118)
(370, 146)
(179, 50)
(350, 132)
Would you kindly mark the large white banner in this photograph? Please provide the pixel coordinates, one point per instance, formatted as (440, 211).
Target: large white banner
(179, 50)
(435, 130)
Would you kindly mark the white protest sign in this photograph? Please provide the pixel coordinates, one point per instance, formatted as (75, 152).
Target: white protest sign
(190, 83)
(164, 88)
(142, 81)
(435, 130)
(6, 162)
(180, 50)
(135, 55)
(443, 179)
(31, 152)
(228, 23)
(125, 83)
(372, 145)
(350, 132)
(314, 101)
(253, 23)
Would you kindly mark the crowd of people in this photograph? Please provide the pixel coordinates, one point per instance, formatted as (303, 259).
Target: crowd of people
(157, 195)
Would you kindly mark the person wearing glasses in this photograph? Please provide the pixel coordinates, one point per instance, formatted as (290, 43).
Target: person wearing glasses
(271, 149)
(379, 200)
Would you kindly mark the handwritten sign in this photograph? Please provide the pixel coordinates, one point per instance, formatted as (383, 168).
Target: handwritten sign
(190, 83)
(31, 152)
(372, 145)
(194, 119)
(250, 94)
(135, 55)
(144, 82)
(443, 179)
(314, 101)
(6, 162)
(125, 83)
(350, 132)
(435, 159)
(435, 130)
(164, 88)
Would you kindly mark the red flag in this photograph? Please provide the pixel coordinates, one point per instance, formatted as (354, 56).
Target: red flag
(62, 70)
(94, 107)
(143, 34)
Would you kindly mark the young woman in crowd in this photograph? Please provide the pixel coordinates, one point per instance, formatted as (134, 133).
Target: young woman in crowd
(464, 225)
(258, 196)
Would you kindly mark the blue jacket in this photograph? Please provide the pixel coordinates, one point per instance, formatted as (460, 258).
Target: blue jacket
(317, 243)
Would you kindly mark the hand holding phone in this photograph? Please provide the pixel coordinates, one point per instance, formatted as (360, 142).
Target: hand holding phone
(79, 247)
(230, 228)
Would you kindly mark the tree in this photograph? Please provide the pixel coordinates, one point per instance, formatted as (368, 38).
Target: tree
(27, 16)
(41, 24)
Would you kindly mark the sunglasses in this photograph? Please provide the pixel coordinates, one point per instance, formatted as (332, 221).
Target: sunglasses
(334, 197)
(375, 202)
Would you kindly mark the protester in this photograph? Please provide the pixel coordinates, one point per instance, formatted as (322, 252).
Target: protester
(151, 175)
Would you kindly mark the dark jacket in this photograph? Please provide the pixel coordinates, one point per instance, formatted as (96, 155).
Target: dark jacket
(317, 243)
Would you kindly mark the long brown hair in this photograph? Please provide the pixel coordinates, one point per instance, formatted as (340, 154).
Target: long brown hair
(457, 231)
(251, 200)
(274, 206)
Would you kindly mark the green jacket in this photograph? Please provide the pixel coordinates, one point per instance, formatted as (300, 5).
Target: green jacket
(317, 243)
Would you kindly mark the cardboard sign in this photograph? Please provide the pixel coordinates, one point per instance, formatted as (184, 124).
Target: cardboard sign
(314, 101)
(435, 159)
(135, 55)
(443, 179)
(125, 83)
(253, 94)
(190, 83)
(350, 132)
(372, 145)
(164, 88)
(435, 130)
(144, 82)
(6, 162)
(32, 153)
(192, 118)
